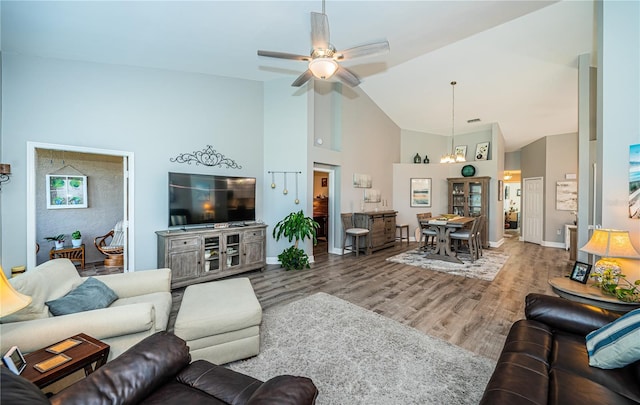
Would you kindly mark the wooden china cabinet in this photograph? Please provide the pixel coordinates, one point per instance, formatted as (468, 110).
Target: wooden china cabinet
(469, 197)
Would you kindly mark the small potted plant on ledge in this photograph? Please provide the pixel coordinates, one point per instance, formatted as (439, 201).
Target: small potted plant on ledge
(295, 226)
(58, 240)
(76, 239)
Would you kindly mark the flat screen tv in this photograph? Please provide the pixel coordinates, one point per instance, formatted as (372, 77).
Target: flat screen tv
(200, 199)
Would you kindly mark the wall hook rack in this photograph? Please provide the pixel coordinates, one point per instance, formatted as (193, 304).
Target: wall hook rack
(285, 191)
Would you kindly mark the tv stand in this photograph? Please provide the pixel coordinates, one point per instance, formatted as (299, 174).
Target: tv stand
(203, 254)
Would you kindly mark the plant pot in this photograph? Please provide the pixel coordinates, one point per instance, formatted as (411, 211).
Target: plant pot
(59, 244)
(76, 242)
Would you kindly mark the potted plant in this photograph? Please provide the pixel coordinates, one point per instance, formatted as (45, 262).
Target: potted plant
(299, 227)
(76, 239)
(58, 240)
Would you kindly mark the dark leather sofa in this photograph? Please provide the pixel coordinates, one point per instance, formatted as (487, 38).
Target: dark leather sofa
(545, 361)
(158, 371)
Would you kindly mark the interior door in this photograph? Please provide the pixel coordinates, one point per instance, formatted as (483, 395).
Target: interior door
(533, 209)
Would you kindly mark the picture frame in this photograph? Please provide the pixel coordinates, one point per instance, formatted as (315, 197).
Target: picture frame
(518, 193)
(372, 195)
(362, 181)
(66, 191)
(420, 192)
(634, 181)
(324, 182)
(14, 360)
(461, 150)
(500, 190)
(580, 272)
(567, 196)
(482, 151)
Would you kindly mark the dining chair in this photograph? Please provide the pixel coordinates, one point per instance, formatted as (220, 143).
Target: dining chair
(470, 236)
(426, 232)
(354, 233)
(479, 242)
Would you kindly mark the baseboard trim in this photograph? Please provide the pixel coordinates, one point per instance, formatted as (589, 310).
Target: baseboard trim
(496, 244)
(559, 245)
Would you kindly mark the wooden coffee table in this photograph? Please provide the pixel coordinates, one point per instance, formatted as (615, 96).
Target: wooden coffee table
(82, 356)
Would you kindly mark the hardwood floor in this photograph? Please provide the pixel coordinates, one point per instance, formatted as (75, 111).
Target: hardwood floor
(470, 313)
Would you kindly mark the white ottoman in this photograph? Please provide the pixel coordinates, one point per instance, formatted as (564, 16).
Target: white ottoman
(220, 320)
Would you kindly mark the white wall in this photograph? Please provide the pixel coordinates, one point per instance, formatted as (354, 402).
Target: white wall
(155, 114)
(286, 133)
(366, 141)
(619, 127)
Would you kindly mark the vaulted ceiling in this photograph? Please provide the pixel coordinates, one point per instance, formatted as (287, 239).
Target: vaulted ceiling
(515, 61)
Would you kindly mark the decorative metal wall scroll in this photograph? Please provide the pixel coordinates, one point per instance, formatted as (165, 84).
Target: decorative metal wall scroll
(207, 157)
(285, 191)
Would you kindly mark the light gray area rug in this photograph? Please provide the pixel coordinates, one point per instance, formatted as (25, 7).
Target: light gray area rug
(355, 356)
(485, 268)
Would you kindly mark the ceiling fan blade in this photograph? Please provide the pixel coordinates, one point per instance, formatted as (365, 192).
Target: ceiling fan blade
(319, 31)
(363, 50)
(283, 55)
(302, 79)
(347, 76)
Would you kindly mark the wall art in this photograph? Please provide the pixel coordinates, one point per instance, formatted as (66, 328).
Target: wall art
(420, 192)
(461, 150)
(567, 196)
(206, 157)
(66, 191)
(372, 195)
(482, 151)
(362, 180)
(634, 181)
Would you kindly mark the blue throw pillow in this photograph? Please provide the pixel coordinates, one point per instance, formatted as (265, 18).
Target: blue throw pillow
(90, 295)
(617, 344)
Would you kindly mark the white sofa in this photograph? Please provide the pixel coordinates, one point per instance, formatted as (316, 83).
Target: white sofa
(142, 308)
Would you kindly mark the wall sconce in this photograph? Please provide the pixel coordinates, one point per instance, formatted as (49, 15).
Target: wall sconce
(5, 171)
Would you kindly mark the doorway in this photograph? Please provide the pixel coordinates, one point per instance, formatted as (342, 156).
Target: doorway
(108, 197)
(512, 202)
(533, 209)
(324, 194)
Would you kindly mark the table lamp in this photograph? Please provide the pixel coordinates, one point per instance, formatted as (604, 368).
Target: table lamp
(610, 244)
(10, 300)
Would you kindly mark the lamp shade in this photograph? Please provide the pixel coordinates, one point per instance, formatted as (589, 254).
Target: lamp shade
(10, 300)
(611, 243)
(323, 68)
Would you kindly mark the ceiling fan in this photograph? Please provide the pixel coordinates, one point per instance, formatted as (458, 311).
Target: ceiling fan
(324, 59)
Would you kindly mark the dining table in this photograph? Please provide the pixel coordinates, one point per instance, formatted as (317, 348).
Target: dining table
(444, 226)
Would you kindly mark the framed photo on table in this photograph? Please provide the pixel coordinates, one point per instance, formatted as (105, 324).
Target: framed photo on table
(580, 272)
(420, 192)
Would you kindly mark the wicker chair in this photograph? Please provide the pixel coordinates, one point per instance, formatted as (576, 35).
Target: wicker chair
(114, 250)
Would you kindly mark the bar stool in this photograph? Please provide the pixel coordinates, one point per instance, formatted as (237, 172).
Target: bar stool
(355, 233)
(401, 228)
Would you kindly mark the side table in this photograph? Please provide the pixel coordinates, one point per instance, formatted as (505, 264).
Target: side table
(75, 254)
(89, 351)
(588, 294)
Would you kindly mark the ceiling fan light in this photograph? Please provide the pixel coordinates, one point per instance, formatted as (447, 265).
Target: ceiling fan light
(323, 68)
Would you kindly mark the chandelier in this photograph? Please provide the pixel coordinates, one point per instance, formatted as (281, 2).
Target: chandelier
(453, 157)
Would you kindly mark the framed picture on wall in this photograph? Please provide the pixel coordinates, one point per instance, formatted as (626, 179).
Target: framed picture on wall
(482, 151)
(372, 195)
(567, 195)
(420, 192)
(324, 182)
(362, 180)
(65, 191)
(461, 150)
